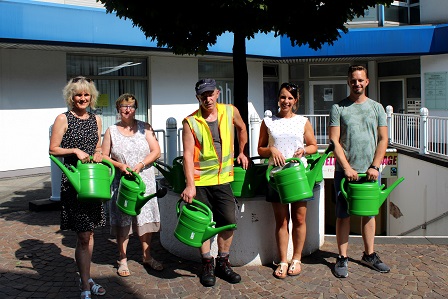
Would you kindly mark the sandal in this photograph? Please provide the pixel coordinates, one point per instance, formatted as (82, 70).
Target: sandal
(151, 262)
(280, 272)
(95, 289)
(123, 269)
(295, 268)
(86, 295)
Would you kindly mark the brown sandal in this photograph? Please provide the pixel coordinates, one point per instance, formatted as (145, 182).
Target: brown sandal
(151, 262)
(280, 272)
(123, 269)
(295, 268)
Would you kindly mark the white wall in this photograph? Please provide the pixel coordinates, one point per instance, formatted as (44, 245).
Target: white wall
(433, 11)
(434, 63)
(256, 103)
(31, 85)
(171, 89)
(421, 197)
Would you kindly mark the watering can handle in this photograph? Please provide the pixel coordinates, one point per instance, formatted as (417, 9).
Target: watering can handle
(205, 209)
(111, 166)
(137, 177)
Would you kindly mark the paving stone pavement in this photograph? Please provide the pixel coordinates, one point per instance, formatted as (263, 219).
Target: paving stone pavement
(37, 261)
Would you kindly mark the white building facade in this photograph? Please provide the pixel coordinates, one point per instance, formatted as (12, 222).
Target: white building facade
(44, 43)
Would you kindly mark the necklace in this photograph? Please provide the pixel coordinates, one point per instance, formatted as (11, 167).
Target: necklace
(84, 116)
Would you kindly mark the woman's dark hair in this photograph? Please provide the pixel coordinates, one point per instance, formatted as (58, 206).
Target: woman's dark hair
(292, 88)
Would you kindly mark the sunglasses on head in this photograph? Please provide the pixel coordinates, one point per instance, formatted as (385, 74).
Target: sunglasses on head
(74, 80)
(291, 86)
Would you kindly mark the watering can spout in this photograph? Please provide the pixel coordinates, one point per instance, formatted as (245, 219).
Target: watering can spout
(316, 167)
(210, 231)
(72, 176)
(167, 173)
(385, 193)
(142, 200)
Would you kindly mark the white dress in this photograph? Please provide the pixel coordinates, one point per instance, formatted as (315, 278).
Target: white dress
(131, 150)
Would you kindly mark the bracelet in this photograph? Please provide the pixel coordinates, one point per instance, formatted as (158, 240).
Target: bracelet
(304, 151)
(374, 167)
(144, 165)
(99, 151)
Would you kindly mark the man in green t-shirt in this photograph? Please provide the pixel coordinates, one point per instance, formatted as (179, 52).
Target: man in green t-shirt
(358, 128)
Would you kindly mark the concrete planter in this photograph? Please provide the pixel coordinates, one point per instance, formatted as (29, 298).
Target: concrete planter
(254, 241)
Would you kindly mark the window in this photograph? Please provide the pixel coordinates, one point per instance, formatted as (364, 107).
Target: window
(222, 72)
(113, 76)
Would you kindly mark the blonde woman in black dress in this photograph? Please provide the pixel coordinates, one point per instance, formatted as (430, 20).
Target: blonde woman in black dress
(76, 135)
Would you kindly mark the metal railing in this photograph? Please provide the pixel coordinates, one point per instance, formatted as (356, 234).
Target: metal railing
(423, 133)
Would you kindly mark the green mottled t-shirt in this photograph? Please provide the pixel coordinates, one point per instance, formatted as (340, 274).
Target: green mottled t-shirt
(359, 130)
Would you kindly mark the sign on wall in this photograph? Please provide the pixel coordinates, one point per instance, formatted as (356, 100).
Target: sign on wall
(436, 91)
(389, 166)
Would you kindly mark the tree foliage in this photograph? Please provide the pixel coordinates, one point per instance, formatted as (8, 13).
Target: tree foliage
(191, 27)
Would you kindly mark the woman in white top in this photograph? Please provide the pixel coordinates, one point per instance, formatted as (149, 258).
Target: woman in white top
(287, 135)
(132, 143)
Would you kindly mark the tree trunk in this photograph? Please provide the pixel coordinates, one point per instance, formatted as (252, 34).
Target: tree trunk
(241, 81)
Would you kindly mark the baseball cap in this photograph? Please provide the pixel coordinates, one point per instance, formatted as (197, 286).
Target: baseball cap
(204, 85)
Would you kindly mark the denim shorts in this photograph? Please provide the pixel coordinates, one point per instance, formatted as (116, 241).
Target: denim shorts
(221, 201)
(341, 202)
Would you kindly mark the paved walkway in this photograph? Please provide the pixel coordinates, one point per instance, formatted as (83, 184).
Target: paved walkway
(37, 261)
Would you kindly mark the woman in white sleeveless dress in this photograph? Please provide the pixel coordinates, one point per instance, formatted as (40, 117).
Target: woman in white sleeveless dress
(287, 135)
(131, 143)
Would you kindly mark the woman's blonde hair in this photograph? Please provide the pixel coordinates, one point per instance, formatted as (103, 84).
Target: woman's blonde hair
(77, 85)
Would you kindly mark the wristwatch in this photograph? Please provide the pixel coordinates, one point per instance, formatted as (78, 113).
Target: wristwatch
(374, 167)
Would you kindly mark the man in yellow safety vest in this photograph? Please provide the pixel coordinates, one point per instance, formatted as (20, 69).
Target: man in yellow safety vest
(208, 139)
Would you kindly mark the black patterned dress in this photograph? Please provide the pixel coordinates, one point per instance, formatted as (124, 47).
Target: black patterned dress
(76, 215)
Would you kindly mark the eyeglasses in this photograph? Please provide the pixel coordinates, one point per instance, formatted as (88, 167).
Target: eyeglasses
(74, 80)
(126, 107)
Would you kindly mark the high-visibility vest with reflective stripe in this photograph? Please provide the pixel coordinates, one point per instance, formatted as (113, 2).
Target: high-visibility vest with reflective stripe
(207, 169)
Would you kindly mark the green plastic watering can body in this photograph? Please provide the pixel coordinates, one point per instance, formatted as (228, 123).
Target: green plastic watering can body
(195, 225)
(246, 182)
(290, 182)
(91, 181)
(175, 174)
(131, 194)
(364, 198)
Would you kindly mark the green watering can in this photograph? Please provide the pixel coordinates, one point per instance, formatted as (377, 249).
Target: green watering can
(364, 197)
(91, 180)
(312, 160)
(131, 191)
(174, 175)
(194, 225)
(246, 182)
(293, 181)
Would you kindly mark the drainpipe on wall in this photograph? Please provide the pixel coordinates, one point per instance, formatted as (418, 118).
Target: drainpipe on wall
(381, 15)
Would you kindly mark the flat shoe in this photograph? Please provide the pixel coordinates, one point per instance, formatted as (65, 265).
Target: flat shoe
(295, 268)
(86, 295)
(151, 262)
(280, 272)
(123, 269)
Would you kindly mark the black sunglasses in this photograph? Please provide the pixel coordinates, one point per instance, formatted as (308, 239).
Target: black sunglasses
(291, 86)
(74, 80)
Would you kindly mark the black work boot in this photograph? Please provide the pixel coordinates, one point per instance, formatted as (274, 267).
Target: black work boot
(208, 272)
(224, 271)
